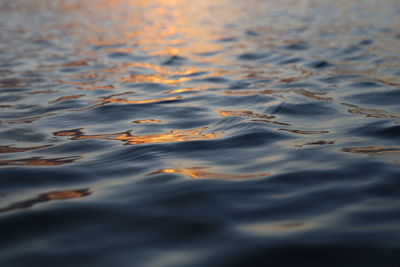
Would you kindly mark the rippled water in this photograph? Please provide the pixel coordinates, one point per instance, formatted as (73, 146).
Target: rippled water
(199, 133)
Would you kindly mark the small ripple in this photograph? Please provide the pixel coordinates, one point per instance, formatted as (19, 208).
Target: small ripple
(291, 60)
(217, 80)
(319, 143)
(12, 83)
(147, 121)
(304, 132)
(154, 78)
(27, 119)
(320, 64)
(383, 98)
(11, 149)
(46, 197)
(244, 113)
(201, 173)
(372, 150)
(272, 122)
(128, 139)
(255, 117)
(39, 161)
(297, 46)
(189, 89)
(23, 135)
(66, 98)
(112, 99)
(277, 228)
(174, 61)
(99, 87)
(365, 84)
(147, 101)
(306, 109)
(253, 56)
(277, 92)
(374, 113)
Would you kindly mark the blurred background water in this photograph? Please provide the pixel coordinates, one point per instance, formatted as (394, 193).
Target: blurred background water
(199, 133)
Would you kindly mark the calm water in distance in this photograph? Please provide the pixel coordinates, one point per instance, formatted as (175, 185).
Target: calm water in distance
(170, 133)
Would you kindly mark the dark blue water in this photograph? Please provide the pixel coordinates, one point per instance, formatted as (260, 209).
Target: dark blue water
(199, 133)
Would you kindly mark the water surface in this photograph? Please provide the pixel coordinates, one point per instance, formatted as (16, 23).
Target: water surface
(199, 133)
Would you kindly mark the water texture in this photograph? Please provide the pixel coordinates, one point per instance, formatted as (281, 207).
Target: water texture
(199, 133)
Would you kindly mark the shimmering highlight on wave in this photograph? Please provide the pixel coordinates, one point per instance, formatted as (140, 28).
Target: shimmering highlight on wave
(128, 139)
(202, 173)
(147, 121)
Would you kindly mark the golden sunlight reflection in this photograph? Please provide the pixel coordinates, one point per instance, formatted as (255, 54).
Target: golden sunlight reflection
(147, 121)
(155, 78)
(147, 101)
(202, 173)
(54, 195)
(177, 21)
(93, 79)
(190, 89)
(128, 139)
(181, 32)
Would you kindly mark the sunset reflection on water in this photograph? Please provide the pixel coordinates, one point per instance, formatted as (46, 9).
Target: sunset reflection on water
(202, 173)
(199, 133)
(129, 139)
